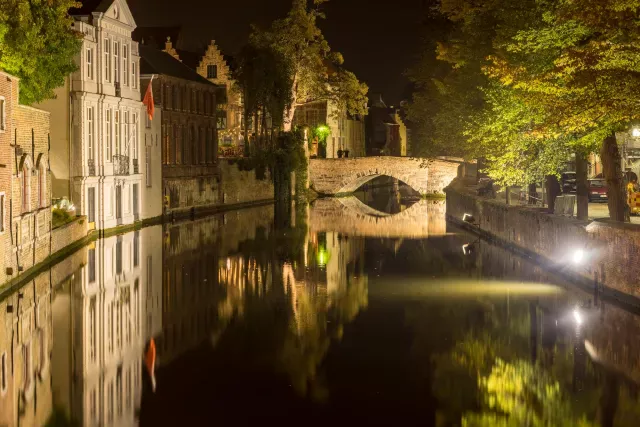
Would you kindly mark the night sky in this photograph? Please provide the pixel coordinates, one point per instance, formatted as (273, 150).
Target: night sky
(378, 38)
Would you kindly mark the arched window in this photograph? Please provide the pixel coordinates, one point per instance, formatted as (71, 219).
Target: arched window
(25, 184)
(42, 185)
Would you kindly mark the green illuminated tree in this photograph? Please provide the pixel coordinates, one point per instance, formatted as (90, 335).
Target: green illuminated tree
(38, 45)
(316, 71)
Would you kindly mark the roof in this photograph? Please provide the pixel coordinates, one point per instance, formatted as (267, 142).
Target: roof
(89, 6)
(153, 61)
(157, 36)
(190, 59)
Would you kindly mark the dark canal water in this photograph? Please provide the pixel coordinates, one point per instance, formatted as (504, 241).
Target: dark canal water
(361, 311)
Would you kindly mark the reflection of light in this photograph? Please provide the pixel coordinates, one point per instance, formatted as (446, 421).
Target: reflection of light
(577, 316)
(228, 263)
(467, 248)
(322, 257)
(635, 132)
(468, 218)
(578, 256)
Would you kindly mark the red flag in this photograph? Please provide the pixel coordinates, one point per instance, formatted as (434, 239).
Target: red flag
(148, 101)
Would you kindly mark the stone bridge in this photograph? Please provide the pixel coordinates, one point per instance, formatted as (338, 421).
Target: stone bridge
(343, 176)
(348, 215)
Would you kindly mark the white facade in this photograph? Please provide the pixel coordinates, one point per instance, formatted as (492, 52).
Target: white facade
(151, 160)
(105, 121)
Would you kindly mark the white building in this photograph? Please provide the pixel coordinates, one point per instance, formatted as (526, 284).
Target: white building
(95, 131)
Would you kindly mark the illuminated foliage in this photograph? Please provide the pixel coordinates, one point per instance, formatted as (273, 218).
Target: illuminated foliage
(38, 45)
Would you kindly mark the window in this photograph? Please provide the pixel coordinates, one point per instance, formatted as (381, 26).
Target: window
(134, 74)
(26, 188)
(91, 204)
(212, 71)
(108, 135)
(42, 185)
(147, 120)
(116, 62)
(91, 263)
(147, 164)
(125, 64)
(135, 137)
(3, 373)
(90, 133)
(3, 114)
(90, 63)
(2, 212)
(174, 97)
(117, 131)
(127, 135)
(107, 60)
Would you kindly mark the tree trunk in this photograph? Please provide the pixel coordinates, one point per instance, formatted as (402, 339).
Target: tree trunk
(553, 190)
(255, 129)
(612, 168)
(287, 123)
(507, 196)
(533, 193)
(582, 192)
(245, 130)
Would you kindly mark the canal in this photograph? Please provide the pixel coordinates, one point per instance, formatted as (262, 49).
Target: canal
(370, 309)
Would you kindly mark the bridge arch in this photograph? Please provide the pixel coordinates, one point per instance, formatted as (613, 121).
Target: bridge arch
(340, 176)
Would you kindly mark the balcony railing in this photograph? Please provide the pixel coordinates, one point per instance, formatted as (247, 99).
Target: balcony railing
(136, 168)
(91, 167)
(120, 164)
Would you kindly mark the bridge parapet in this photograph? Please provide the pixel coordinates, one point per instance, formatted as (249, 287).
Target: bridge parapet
(343, 176)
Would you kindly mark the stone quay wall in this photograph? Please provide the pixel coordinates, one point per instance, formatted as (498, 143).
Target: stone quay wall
(69, 233)
(600, 254)
(243, 186)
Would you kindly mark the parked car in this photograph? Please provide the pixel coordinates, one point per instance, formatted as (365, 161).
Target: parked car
(597, 189)
(568, 182)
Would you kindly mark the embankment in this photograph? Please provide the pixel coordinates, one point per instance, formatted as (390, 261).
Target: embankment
(598, 255)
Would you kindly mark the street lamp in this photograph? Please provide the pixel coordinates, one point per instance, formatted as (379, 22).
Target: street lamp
(578, 256)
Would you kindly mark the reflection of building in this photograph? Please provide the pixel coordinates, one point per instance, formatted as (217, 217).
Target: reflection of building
(25, 350)
(386, 132)
(346, 132)
(25, 186)
(99, 332)
(95, 134)
(189, 139)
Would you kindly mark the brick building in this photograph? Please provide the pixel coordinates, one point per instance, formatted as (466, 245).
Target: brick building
(386, 131)
(96, 115)
(25, 185)
(189, 136)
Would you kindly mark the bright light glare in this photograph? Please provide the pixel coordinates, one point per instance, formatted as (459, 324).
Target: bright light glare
(635, 132)
(577, 316)
(228, 264)
(578, 256)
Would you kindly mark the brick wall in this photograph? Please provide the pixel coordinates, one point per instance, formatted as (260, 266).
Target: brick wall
(240, 186)
(610, 249)
(65, 235)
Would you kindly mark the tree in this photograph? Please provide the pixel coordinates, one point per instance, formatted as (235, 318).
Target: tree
(38, 45)
(316, 71)
(582, 66)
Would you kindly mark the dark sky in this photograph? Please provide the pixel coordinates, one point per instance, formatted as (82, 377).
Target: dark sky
(378, 38)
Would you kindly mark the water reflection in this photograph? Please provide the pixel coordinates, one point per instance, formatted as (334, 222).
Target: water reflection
(252, 322)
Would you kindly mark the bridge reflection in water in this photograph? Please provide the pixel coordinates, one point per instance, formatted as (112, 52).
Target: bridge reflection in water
(235, 306)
